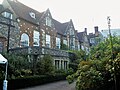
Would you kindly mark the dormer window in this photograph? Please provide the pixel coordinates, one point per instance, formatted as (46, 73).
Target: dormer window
(32, 15)
(7, 15)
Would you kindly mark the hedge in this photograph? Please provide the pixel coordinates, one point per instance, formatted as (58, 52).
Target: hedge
(31, 81)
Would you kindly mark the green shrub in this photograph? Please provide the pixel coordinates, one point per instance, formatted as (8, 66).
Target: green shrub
(29, 81)
(45, 66)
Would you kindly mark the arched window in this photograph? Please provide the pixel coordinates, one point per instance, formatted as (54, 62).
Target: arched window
(24, 40)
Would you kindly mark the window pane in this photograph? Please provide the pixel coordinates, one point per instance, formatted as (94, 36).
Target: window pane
(7, 15)
(24, 40)
(65, 42)
(36, 38)
(48, 41)
(43, 37)
(57, 42)
(48, 21)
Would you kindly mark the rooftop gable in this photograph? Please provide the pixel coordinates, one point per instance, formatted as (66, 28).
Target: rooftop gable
(80, 36)
(25, 12)
(60, 27)
(1, 8)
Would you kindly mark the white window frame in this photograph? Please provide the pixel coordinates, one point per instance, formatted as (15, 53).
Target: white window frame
(36, 38)
(43, 37)
(32, 15)
(58, 43)
(8, 15)
(24, 42)
(65, 42)
(48, 43)
(48, 21)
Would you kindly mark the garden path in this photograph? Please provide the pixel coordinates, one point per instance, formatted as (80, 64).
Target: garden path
(60, 85)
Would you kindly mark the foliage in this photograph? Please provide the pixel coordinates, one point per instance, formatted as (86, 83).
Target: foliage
(88, 75)
(29, 81)
(45, 65)
(102, 66)
(15, 63)
(63, 47)
(78, 56)
(69, 71)
(74, 66)
(75, 58)
(2, 69)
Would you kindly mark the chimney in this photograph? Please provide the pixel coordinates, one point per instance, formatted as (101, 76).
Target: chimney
(86, 30)
(96, 29)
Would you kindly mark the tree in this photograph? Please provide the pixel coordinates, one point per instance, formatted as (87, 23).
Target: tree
(102, 66)
(45, 65)
(63, 47)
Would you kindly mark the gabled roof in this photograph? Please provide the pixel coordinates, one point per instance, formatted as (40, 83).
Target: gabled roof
(91, 35)
(60, 27)
(8, 10)
(22, 11)
(80, 36)
(1, 8)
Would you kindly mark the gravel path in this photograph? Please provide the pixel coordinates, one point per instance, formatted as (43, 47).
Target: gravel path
(60, 85)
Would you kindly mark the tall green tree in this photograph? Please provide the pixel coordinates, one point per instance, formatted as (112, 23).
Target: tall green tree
(102, 67)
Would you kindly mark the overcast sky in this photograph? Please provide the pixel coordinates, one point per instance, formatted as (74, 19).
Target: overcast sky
(84, 13)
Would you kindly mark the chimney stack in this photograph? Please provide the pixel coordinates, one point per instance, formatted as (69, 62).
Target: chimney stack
(96, 29)
(86, 30)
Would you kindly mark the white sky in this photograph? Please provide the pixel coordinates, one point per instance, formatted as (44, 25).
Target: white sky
(84, 13)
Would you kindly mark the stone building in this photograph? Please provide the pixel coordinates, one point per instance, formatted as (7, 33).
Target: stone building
(83, 40)
(67, 34)
(37, 33)
(95, 38)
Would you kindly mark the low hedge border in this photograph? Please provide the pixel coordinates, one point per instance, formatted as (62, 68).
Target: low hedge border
(32, 81)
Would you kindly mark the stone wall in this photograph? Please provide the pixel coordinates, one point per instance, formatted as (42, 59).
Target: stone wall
(14, 36)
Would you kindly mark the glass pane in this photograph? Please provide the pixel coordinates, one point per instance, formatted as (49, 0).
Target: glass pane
(57, 42)
(48, 41)
(24, 40)
(36, 38)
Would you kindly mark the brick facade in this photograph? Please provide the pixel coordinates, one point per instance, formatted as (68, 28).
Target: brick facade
(28, 20)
